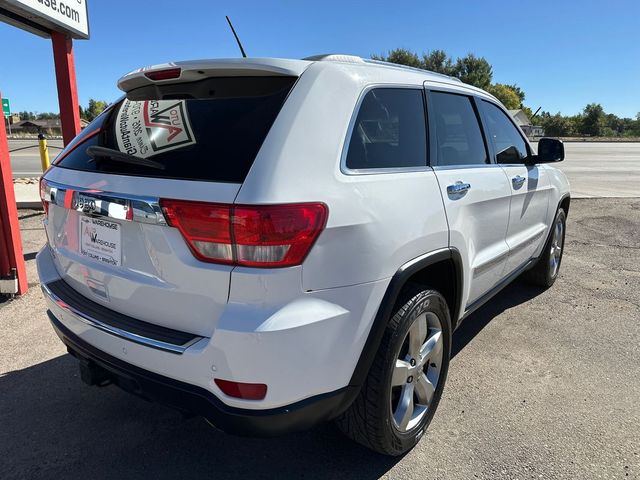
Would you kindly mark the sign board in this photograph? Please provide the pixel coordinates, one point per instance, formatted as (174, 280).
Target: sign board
(6, 108)
(43, 16)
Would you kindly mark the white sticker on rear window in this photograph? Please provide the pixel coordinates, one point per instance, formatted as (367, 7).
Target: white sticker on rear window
(150, 127)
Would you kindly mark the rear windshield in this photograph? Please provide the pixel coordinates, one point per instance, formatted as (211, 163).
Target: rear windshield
(208, 130)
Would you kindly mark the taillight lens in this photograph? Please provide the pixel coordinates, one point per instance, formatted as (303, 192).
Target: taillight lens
(45, 201)
(205, 226)
(253, 236)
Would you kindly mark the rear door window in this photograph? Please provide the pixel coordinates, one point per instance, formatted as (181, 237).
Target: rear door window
(389, 131)
(208, 130)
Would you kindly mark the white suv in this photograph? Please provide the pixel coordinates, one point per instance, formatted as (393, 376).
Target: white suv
(274, 243)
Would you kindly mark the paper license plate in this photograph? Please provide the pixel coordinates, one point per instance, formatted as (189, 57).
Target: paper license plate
(100, 240)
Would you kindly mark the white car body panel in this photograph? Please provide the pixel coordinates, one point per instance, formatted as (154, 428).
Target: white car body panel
(478, 222)
(302, 329)
(158, 272)
(528, 225)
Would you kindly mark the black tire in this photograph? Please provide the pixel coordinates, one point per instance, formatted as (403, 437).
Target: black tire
(369, 420)
(544, 273)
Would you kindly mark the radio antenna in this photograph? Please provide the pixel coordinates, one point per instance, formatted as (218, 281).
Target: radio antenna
(244, 55)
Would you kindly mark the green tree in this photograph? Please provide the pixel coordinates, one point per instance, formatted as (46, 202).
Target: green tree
(474, 71)
(635, 127)
(94, 109)
(519, 92)
(47, 116)
(437, 61)
(401, 56)
(556, 125)
(506, 94)
(615, 125)
(592, 120)
(24, 115)
(470, 69)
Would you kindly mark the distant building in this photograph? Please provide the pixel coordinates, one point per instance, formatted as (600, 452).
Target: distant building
(14, 118)
(525, 124)
(48, 127)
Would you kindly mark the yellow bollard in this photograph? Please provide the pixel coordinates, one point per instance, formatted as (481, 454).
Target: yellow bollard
(44, 152)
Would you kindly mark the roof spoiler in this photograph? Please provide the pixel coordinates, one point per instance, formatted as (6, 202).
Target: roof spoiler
(191, 71)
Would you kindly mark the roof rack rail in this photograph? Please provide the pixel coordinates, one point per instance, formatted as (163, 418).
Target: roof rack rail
(334, 57)
(406, 67)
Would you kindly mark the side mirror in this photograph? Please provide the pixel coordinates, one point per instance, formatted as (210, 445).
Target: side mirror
(549, 150)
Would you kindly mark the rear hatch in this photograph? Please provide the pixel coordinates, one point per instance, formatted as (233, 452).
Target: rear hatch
(167, 139)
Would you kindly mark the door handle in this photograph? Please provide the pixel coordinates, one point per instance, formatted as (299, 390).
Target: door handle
(518, 181)
(458, 188)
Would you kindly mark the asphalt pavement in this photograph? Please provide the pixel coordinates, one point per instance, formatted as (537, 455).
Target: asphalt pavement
(543, 384)
(602, 169)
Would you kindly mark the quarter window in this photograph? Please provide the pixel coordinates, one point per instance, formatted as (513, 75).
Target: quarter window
(509, 145)
(389, 131)
(458, 135)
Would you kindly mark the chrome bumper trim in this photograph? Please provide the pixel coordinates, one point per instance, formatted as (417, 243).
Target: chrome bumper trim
(118, 332)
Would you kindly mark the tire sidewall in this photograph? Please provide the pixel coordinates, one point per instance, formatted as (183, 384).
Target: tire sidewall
(559, 215)
(426, 301)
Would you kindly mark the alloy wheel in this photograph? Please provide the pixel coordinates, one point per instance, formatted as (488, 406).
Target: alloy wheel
(555, 252)
(417, 371)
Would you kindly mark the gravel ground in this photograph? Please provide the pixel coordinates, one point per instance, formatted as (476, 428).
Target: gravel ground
(543, 384)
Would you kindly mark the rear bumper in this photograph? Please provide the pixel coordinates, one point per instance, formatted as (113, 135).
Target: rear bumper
(301, 347)
(193, 399)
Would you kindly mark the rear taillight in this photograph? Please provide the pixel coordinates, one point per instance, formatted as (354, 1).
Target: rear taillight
(205, 226)
(253, 236)
(43, 192)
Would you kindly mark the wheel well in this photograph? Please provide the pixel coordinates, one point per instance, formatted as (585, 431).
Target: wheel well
(564, 204)
(441, 276)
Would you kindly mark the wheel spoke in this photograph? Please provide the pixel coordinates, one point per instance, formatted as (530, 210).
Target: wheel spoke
(417, 334)
(424, 390)
(400, 373)
(432, 347)
(404, 411)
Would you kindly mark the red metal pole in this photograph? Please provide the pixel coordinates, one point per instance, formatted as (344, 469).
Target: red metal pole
(11, 256)
(67, 88)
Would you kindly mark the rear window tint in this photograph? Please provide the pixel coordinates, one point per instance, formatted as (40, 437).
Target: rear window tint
(209, 130)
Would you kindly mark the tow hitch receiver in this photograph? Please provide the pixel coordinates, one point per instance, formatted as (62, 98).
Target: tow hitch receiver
(93, 374)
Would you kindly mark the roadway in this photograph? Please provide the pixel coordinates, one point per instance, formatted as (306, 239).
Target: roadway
(602, 169)
(594, 169)
(26, 163)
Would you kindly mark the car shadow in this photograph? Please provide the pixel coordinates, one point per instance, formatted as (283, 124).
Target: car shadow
(513, 294)
(52, 425)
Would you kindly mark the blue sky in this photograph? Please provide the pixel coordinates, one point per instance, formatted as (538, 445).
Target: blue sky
(564, 54)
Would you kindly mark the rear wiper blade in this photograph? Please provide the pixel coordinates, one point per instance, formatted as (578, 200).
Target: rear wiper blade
(118, 156)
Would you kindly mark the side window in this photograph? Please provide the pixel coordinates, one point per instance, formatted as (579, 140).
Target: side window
(509, 145)
(390, 130)
(458, 132)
